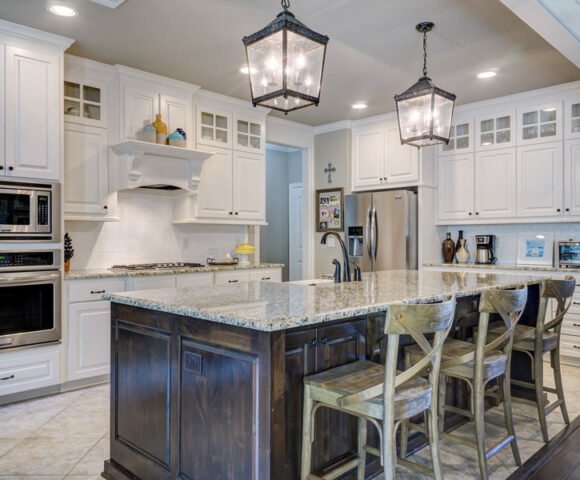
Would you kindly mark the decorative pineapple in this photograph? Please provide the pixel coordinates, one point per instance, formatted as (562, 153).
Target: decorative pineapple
(69, 251)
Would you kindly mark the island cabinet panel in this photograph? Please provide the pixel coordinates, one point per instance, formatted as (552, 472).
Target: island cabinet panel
(310, 351)
(215, 449)
(141, 428)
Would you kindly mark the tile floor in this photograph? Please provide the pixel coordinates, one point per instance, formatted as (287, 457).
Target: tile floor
(66, 437)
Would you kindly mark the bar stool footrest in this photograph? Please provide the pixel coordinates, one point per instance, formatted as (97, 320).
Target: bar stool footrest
(504, 443)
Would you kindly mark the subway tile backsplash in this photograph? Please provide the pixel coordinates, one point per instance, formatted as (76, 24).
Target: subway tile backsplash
(146, 234)
(507, 236)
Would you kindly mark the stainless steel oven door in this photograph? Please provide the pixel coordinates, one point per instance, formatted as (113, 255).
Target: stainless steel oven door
(30, 308)
(18, 210)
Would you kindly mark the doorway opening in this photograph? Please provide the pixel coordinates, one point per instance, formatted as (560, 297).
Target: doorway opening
(282, 240)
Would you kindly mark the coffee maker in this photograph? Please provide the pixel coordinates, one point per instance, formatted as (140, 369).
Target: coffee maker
(485, 249)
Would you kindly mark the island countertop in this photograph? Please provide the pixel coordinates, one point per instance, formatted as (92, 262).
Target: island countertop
(273, 307)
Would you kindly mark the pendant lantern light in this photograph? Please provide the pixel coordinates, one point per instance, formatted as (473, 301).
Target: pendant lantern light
(424, 110)
(285, 63)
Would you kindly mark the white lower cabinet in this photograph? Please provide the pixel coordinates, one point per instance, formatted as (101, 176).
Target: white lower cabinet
(89, 334)
(29, 369)
(540, 185)
(151, 283)
(226, 278)
(194, 280)
(266, 275)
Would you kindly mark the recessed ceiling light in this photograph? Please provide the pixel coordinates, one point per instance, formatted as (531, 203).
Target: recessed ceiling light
(246, 70)
(62, 10)
(488, 74)
(359, 106)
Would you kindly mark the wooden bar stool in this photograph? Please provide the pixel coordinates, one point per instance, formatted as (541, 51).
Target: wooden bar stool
(543, 338)
(382, 395)
(477, 364)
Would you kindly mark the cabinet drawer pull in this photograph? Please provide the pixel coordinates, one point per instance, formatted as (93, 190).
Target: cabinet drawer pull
(266, 278)
(576, 303)
(6, 378)
(576, 346)
(314, 342)
(324, 340)
(233, 281)
(94, 292)
(576, 324)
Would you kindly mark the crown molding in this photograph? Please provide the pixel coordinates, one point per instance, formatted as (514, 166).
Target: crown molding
(218, 97)
(331, 127)
(167, 82)
(291, 124)
(34, 35)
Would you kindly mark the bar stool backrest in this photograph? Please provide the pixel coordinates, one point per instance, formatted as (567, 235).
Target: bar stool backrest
(509, 305)
(562, 291)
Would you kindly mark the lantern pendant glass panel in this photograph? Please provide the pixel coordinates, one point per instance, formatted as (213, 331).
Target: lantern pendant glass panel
(285, 63)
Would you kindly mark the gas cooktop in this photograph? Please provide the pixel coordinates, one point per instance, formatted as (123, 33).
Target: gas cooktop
(156, 266)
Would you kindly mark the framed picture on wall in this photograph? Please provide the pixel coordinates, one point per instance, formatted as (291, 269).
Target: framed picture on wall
(330, 210)
(536, 249)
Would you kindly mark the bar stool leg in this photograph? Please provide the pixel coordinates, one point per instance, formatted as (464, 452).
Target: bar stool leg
(432, 427)
(362, 443)
(539, 382)
(307, 427)
(509, 420)
(559, 387)
(390, 451)
(479, 414)
(442, 392)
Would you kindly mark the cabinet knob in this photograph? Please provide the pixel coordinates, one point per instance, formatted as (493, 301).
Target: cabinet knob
(237, 213)
(558, 210)
(10, 168)
(324, 340)
(231, 213)
(567, 209)
(105, 207)
(314, 342)
(477, 213)
(470, 213)
(1, 167)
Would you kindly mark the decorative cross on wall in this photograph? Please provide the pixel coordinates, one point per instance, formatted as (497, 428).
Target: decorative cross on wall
(330, 170)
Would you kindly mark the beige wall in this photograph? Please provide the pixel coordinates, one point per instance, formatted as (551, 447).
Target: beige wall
(334, 147)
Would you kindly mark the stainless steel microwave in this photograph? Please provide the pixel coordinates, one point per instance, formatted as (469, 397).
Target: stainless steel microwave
(568, 254)
(29, 211)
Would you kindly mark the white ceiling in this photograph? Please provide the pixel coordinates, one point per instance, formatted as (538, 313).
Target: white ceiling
(374, 51)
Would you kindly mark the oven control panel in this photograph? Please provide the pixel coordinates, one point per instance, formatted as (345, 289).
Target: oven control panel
(26, 259)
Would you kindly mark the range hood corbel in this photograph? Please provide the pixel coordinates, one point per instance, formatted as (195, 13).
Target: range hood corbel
(142, 164)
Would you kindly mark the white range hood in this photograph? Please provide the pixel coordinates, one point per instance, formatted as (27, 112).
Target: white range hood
(149, 165)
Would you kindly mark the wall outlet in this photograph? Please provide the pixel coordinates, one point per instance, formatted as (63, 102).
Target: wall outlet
(185, 243)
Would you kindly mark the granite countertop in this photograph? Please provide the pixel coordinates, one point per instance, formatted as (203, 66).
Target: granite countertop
(108, 273)
(503, 266)
(270, 307)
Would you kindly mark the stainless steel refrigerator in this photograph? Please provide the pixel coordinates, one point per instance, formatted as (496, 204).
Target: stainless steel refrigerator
(381, 229)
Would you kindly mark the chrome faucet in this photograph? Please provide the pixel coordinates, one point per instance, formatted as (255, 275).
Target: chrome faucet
(345, 259)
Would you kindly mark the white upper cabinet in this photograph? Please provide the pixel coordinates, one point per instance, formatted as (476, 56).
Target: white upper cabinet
(177, 113)
(85, 103)
(495, 131)
(495, 183)
(402, 163)
(572, 117)
(540, 123)
(572, 177)
(540, 180)
(86, 171)
(460, 138)
(33, 120)
(249, 135)
(140, 106)
(379, 160)
(249, 186)
(214, 128)
(215, 196)
(368, 156)
(456, 187)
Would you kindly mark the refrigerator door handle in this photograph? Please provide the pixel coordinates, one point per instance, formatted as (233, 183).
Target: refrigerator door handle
(367, 235)
(375, 233)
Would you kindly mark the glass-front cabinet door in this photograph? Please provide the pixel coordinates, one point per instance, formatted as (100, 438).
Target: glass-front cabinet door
(572, 113)
(248, 135)
(214, 128)
(540, 124)
(495, 131)
(85, 103)
(460, 139)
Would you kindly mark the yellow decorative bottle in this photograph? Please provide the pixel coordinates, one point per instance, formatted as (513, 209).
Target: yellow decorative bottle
(161, 129)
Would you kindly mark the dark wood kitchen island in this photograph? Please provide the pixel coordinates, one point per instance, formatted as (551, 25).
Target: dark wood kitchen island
(206, 383)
